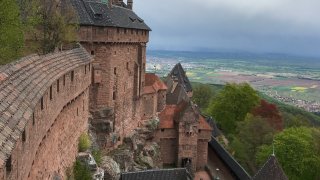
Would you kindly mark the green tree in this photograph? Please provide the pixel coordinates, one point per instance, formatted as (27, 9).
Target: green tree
(297, 150)
(48, 24)
(11, 33)
(202, 95)
(251, 134)
(232, 105)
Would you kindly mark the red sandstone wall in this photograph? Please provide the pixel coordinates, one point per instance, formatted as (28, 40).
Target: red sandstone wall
(202, 154)
(112, 34)
(59, 147)
(120, 58)
(161, 101)
(168, 151)
(37, 129)
(149, 102)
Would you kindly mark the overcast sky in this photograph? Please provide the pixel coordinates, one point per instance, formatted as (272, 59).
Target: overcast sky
(276, 26)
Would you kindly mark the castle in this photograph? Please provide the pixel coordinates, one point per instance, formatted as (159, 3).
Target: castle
(46, 101)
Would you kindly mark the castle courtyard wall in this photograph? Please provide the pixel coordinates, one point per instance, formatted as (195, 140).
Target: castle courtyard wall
(48, 143)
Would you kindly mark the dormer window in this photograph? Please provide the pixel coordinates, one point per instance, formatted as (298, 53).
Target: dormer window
(98, 16)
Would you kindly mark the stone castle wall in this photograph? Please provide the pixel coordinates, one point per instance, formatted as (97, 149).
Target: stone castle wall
(57, 120)
(118, 74)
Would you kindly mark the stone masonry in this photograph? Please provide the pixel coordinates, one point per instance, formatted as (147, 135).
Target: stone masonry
(44, 109)
(117, 39)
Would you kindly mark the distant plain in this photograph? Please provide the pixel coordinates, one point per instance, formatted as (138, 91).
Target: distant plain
(273, 74)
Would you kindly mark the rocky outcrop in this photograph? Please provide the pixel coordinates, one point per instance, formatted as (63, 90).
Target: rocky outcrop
(111, 168)
(138, 152)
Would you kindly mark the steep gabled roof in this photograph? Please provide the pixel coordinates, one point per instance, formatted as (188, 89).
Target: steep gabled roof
(153, 84)
(228, 160)
(94, 13)
(178, 73)
(161, 174)
(271, 170)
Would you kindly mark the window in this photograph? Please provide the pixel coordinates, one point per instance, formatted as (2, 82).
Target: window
(77, 112)
(64, 80)
(8, 165)
(125, 31)
(72, 76)
(136, 31)
(118, 30)
(162, 130)
(115, 71)
(114, 95)
(50, 92)
(131, 31)
(58, 85)
(24, 136)
(33, 119)
(199, 130)
(42, 103)
(127, 65)
(92, 52)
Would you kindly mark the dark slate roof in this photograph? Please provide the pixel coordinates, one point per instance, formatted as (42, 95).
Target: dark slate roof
(176, 95)
(216, 131)
(228, 160)
(271, 170)
(94, 13)
(23, 83)
(162, 174)
(178, 73)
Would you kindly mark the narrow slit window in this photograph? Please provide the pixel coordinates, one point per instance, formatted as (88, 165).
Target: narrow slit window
(24, 136)
(115, 71)
(58, 85)
(8, 165)
(72, 76)
(33, 119)
(41, 103)
(64, 80)
(50, 92)
(114, 95)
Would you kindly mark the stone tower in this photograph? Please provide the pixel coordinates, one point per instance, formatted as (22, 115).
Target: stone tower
(117, 39)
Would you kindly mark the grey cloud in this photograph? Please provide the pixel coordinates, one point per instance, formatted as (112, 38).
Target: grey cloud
(282, 26)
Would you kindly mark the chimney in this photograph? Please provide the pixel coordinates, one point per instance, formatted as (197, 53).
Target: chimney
(130, 4)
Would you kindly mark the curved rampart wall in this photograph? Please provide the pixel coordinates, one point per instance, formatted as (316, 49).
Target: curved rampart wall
(41, 98)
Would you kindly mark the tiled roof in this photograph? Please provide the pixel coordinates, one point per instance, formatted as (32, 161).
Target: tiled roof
(228, 160)
(271, 170)
(178, 73)
(168, 115)
(95, 13)
(153, 84)
(23, 83)
(176, 94)
(161, 174)
(203, 124)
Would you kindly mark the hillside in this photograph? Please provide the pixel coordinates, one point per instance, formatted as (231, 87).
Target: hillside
(288, 111)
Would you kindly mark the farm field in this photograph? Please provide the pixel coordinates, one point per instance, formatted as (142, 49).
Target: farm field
(293, 80)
